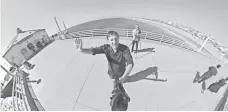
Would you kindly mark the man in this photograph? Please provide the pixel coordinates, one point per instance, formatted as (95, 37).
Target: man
(136, 38)
(212, 71)
(119, 58)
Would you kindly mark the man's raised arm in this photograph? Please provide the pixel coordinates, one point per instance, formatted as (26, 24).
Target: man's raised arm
(80, 48)
(92, 51)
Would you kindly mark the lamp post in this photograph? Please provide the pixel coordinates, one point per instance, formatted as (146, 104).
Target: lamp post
(208, 37)
(35, 81)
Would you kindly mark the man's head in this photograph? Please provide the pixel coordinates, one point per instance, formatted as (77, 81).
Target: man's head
(218, 66)
(113, 39)
(226, 79)
(137, 26)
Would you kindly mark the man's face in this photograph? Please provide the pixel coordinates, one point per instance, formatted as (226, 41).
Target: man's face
(113, 41)
(136, 26)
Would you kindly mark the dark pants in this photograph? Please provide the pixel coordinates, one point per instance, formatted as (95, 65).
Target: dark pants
(133, 44)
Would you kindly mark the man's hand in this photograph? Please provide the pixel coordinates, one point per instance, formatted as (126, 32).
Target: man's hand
(78, 43)
(125, 76)
(123, 79)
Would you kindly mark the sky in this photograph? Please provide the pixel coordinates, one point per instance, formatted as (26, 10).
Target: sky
(208, 16)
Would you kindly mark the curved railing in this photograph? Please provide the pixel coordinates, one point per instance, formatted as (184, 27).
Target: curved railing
(127, 34)
(35, 103)
(22, 97)
(18, 94)
(223, 50)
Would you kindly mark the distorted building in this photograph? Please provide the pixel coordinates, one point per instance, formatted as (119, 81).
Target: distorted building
(25, 45)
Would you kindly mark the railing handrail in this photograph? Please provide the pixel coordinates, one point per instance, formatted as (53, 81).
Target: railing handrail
(191, 31)
(147, 34)
(153, 36)
(104, 30)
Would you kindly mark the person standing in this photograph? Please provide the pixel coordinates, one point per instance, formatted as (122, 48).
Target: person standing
(136, 38)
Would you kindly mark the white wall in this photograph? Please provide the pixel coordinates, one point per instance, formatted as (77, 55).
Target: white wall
(15, 51)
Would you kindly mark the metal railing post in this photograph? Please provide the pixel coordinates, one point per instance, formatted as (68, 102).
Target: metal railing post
(146, 35)
(173, 41)
(161, 39)
(91, 33)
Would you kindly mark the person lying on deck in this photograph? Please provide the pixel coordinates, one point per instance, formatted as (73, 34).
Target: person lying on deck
(212, 71)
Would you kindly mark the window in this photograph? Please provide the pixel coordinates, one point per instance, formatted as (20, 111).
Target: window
(25, 53)
(39, 44)
(31, 47)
